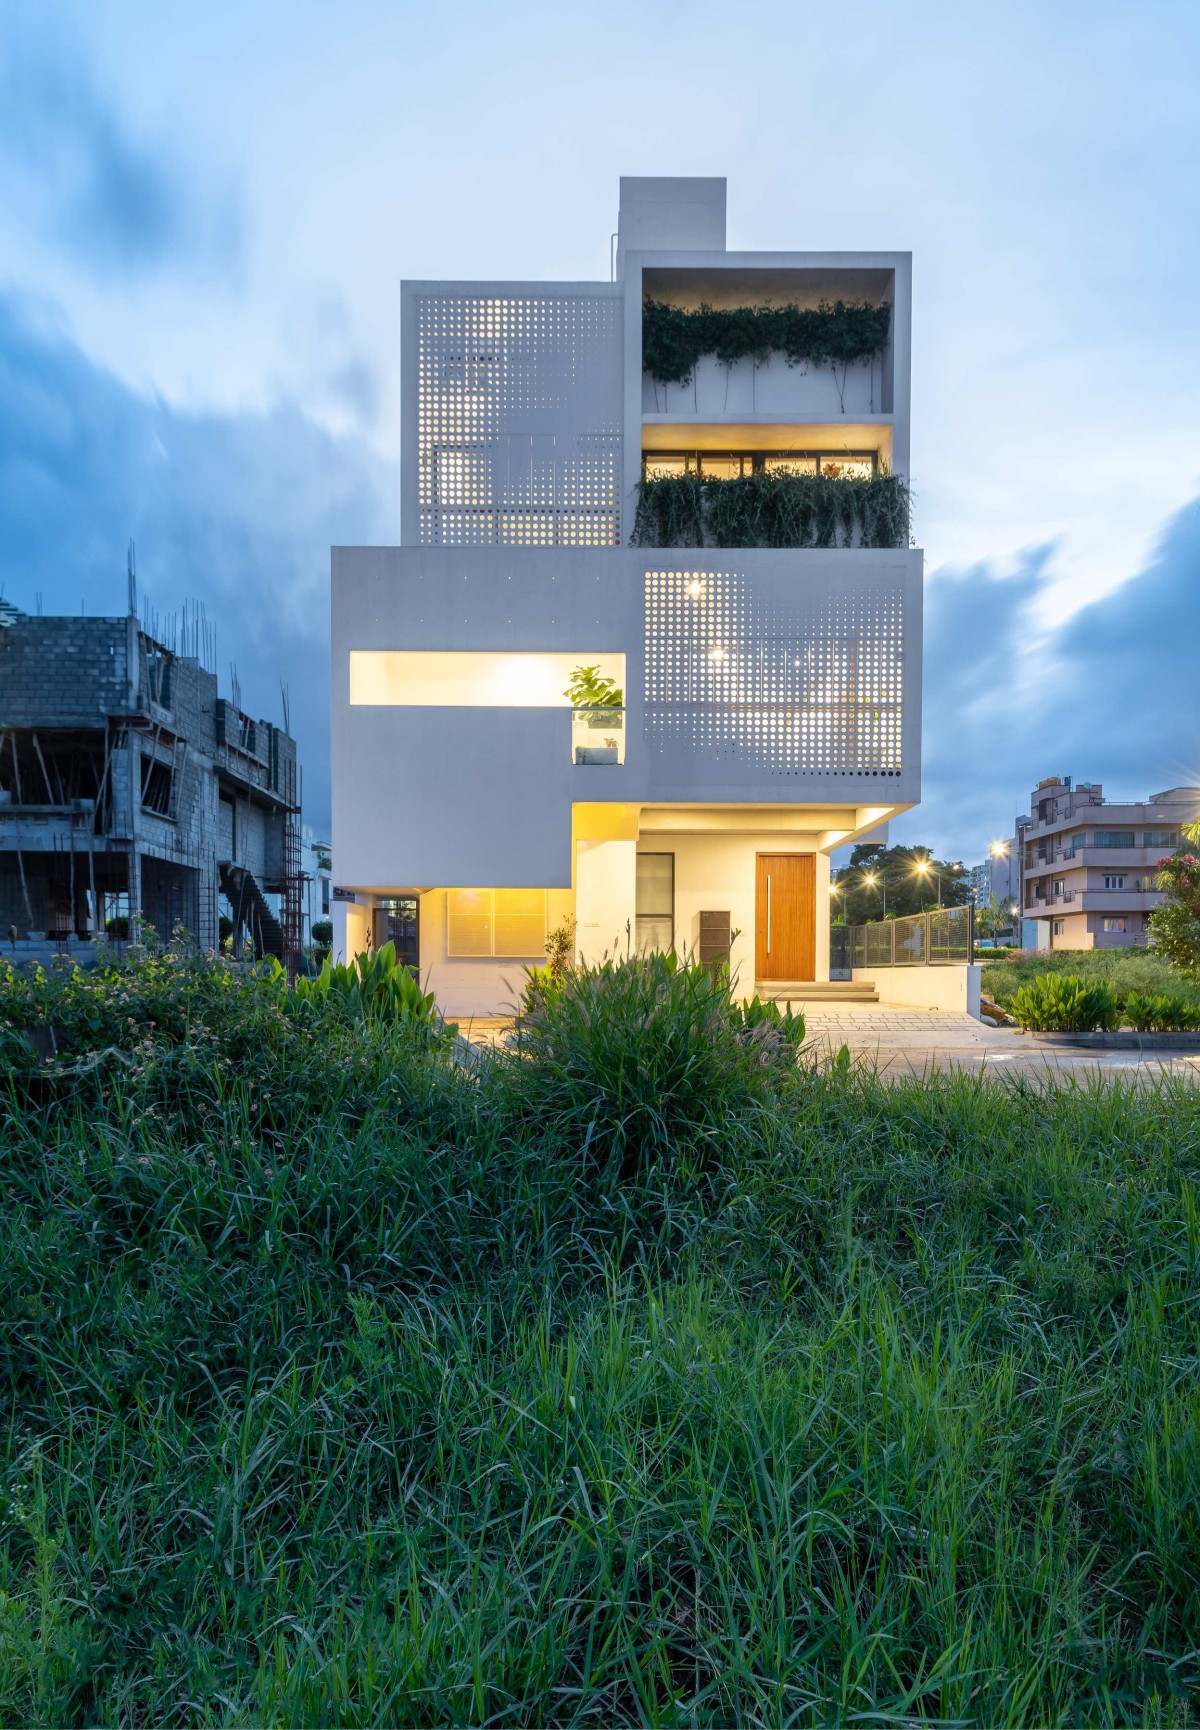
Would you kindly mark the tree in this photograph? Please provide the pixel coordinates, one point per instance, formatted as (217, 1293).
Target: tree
(908, 879)
(1174, 926)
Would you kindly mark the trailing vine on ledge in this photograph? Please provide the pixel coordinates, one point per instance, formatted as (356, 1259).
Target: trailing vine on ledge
(799, 510)
(836, 335)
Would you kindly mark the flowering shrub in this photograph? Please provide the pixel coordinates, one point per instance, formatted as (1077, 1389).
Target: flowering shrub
(1174, 926)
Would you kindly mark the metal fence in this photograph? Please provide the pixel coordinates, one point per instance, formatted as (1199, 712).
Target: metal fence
(946, 935)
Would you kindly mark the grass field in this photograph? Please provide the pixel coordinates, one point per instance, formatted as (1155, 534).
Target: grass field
(643, 1378)
(1124, 969)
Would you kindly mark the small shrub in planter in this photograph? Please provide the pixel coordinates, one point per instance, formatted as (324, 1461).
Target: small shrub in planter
(1057, 1004)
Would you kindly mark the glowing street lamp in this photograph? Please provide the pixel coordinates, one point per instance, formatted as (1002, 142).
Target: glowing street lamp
(925, 869)
(871, 880)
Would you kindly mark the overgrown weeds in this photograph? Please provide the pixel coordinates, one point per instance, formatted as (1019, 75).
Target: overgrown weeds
(339, 1388)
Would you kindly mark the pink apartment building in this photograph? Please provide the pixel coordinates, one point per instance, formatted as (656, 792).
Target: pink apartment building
(1089, 864)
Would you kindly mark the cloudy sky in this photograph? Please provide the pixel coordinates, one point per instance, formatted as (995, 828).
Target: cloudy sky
(206, 212)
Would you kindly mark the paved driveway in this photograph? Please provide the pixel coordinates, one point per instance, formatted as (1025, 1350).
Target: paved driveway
(902, 1042)
(910, 1041)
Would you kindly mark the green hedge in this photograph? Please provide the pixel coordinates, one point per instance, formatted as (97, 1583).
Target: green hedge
(836, 334)
(789, 510)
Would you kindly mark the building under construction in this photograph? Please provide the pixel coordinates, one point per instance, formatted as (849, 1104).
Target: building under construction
(131, 794)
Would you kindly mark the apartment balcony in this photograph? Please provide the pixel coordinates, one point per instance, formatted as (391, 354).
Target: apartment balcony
(1118, 901)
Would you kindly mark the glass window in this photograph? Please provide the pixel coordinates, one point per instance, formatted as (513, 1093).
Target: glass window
(1114, 882)
(1114, 838)
(469, 922)
(720, 468)
(789, 465)
(662, 463)
(519, 922)
(506, 922)
(1160, 838)
(1056, 927)
(1060, 884)
(1114, 925)
(655, 901)
(396, 921)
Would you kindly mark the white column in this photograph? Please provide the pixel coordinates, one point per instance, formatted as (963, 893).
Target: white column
(823, 914)
(605, 898)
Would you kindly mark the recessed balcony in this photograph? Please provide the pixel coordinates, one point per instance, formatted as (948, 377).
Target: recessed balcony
(772, 500)
(791, 345)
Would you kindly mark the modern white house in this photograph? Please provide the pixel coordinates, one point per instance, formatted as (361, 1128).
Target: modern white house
(651, 644)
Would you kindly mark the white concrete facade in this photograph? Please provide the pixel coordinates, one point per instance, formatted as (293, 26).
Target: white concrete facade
(770, 697)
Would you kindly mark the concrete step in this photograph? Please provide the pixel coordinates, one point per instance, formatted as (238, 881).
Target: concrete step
(818, 991)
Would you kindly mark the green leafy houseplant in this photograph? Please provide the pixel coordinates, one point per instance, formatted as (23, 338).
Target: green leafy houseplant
(778, 510)
(593, 694)
(831, 334)
(1054, 1004)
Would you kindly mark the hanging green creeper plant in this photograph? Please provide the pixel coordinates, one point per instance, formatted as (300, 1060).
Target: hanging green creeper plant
(836, 334)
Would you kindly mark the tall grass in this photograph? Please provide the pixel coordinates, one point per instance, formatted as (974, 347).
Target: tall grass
(349, 1387)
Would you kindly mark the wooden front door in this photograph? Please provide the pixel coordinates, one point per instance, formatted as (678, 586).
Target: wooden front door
(785, 925)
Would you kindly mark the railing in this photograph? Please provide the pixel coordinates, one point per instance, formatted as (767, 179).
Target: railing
(597, 737)
(935, 939)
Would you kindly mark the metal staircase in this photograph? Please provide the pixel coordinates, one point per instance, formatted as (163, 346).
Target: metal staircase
(251, 910)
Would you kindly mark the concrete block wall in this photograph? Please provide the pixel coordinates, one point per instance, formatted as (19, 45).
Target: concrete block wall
(65, 672)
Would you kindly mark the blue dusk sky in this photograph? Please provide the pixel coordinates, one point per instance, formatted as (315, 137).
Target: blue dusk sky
(205, 213)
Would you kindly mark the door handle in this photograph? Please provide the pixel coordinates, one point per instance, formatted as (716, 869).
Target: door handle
(768, 912)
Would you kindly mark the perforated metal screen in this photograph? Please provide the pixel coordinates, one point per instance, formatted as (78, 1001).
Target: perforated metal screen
(519, 419)
(791, 678)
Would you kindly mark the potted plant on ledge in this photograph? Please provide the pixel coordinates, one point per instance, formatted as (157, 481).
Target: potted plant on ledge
(598, 701)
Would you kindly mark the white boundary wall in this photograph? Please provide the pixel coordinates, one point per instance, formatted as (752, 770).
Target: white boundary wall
(952, 987)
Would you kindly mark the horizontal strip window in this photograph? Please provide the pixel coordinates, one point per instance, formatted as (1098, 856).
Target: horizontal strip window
(1160, 838)
(732, 465)
(1111, 838)
(509, 923)
(467, 679)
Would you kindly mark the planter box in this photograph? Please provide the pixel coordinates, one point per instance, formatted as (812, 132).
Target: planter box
(585, 754)
(1126, 1040)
